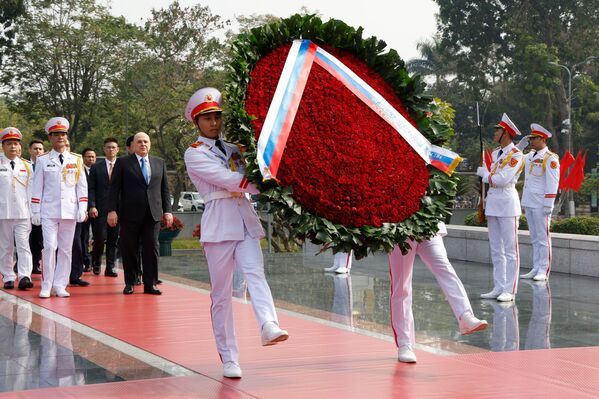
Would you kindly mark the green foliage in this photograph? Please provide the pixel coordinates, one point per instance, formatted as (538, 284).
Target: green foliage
(432, 120)
(472, 220)
(577, 225)
(10, 11)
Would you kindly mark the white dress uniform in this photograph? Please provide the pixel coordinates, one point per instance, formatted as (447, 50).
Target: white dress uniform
(502, 210)
(59, 196)
(15, 218)
(230, 234)
(541, 171)
(434, 255)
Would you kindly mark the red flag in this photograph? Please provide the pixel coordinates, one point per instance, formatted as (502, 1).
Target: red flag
(565, 163)
(579, 176)
(488, 158)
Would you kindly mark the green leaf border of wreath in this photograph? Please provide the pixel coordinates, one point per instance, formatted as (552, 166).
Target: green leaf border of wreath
(249, 48)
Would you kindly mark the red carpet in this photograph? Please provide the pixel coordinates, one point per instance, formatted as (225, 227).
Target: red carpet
(318, 361)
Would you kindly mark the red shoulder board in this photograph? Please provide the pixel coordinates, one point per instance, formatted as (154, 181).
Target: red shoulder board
(196, 144)
(515, 149)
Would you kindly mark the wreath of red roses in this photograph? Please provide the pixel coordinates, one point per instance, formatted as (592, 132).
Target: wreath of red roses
(355, 172)
(347, 180)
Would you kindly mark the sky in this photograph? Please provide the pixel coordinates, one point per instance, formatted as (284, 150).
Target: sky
(400, 23)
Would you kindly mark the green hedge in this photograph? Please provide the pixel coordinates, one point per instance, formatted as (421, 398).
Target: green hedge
(472, 220)
(586, 225)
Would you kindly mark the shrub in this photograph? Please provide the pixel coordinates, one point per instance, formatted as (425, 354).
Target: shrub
(577, 225)
(472, 220)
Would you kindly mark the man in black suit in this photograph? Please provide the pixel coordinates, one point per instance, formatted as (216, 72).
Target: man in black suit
(36, 240)
(138, 198)
(99, 179)
(80, 253)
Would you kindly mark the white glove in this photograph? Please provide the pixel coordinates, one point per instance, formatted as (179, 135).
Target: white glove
(548, 210)
(36, 219)
(81, 216)
(522, 144)
(481, 171)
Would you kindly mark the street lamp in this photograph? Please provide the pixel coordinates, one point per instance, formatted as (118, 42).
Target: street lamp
(570, 125)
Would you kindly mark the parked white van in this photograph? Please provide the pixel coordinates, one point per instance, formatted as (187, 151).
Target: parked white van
(191, 201)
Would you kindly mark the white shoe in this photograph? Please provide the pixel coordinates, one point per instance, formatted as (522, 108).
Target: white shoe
(406, 355)
(44, 294)
(62, 293)
(342, 270)
(331, 269)
(540, 277)
(469, 323)
(272, 334)
(529, 275)
(231, 370)
(491, 295)
(506, 297)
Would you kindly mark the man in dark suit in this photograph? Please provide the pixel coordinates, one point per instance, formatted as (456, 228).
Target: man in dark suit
(99, 179)
(138, 198)
(80, 253)
(36, 240)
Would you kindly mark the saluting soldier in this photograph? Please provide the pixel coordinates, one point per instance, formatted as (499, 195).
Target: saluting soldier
(231, 229)
(58, 202)
(502, 210)
(541, 180)
(15, 223)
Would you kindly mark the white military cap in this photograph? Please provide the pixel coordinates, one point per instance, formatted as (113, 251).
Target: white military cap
(57, 125)
(509, 126)
(11, 133)
(203, 101)
(538, 130)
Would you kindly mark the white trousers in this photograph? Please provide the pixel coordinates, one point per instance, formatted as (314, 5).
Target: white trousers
(342, 309)
(56, 265)
(222, 258)
(506, 328)
(503, 240)
(434, 256)
(343, 259)
(537, 335)
(15, 231)
(538, 226)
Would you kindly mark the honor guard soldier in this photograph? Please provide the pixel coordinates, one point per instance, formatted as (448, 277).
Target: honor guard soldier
(433, 254)
(502, 210)
(15, 219)
(58, 202)
(541, 171)
(231, 229)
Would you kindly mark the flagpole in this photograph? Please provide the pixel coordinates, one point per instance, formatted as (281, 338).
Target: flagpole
(481, 201)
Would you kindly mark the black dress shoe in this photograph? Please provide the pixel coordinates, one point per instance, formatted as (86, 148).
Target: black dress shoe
(79, 282)
(137, 280)
(110, 273)
(36, 270)
(151, 289)
(25, 283)
(158, 281)
(96, 270)
(9, 285)
(128, 290)
(87, 269)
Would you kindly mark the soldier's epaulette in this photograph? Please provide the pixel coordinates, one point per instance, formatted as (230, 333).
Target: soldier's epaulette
(77, 155)
(198, 144)
(43, 155)
(553, 154)
(25, 160)
(515, 150)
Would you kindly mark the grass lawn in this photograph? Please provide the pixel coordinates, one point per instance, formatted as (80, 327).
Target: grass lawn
(193, 243)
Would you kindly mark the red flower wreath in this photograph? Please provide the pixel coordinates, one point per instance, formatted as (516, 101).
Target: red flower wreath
(344, 162)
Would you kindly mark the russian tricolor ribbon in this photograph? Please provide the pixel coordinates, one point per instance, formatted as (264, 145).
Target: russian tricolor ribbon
(288, 94)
